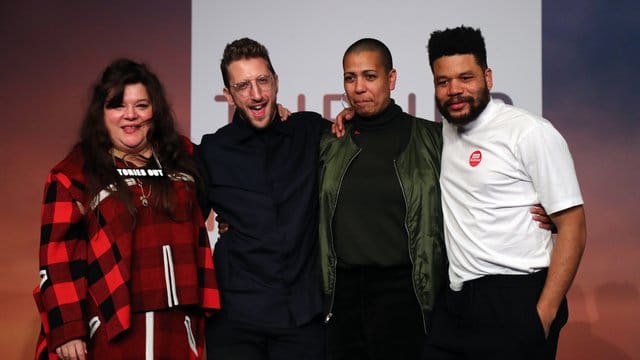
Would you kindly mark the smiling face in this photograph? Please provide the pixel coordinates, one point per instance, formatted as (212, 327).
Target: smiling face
(252, 89)
(366, 82)
(128, 122)
(461, 88)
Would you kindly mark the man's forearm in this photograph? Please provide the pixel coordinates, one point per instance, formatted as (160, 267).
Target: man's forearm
(565, 259)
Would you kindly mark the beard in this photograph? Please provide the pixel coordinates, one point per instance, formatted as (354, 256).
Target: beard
(262, 122)
(476, 107)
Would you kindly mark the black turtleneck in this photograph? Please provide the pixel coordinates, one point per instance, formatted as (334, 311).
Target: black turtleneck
(369, 223)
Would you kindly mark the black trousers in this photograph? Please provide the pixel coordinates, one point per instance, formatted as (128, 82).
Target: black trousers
(227, 339)
(494, 317)
(376, 315)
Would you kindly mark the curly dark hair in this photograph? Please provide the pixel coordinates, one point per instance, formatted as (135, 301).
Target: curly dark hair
(244, 48)
(461, 40)
(95, 142)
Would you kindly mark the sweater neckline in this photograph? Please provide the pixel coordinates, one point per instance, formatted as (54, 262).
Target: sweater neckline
(379, 121)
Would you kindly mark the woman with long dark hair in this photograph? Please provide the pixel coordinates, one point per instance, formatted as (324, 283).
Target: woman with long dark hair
(125, 263)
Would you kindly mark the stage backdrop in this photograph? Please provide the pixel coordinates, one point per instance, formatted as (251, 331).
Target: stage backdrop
(306, 42)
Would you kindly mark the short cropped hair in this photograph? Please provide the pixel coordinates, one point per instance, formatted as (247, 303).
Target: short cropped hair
(461, 40)
(244, 48)
(369, 44)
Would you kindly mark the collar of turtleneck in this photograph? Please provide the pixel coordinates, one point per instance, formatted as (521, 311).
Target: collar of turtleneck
(379, 121)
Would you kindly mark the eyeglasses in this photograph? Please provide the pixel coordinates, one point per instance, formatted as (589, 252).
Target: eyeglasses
(263, 82)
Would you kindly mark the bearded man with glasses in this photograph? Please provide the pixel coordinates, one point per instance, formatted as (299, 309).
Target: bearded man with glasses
(261, 177)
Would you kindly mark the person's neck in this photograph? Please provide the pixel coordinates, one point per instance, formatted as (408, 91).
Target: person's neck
(377, 121)
(137, 157)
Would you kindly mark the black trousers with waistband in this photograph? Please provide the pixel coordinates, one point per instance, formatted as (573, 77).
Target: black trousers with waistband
(494, 317)
(376, 315)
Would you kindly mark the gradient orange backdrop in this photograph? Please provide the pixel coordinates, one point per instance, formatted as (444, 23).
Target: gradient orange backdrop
(53, 51)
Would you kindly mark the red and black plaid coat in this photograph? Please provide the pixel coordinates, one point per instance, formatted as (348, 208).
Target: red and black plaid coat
(86, 262)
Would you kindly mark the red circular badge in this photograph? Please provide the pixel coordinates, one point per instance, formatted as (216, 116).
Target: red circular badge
(475, 158)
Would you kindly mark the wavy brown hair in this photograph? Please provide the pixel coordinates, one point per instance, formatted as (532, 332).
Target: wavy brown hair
(168, 145)
(240, 49)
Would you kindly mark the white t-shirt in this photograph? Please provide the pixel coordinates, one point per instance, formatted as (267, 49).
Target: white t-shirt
(493, 171)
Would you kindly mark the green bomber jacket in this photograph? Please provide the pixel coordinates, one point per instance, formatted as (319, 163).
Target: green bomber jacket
(418, 171)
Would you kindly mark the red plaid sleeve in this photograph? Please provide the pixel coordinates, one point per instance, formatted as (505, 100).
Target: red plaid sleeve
(63, 263)
(207, 275)
(208, 282)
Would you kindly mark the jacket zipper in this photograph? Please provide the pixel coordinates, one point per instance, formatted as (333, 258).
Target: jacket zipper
(406, 228)
(333, 249)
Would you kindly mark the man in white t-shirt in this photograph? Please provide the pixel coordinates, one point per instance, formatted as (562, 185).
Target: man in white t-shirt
(508, 277)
